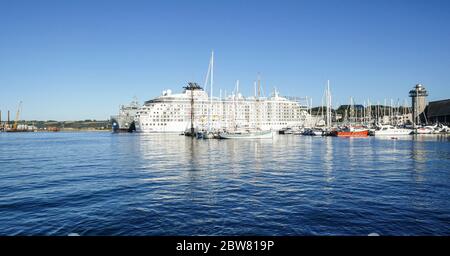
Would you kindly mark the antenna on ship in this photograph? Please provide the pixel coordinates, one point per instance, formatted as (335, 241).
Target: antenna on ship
(135, 101)
(259, 85)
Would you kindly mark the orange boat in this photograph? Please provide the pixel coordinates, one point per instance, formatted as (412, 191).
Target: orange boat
(352, 132)
(52, 129)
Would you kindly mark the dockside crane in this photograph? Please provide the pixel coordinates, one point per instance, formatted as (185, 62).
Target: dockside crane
(16, 121)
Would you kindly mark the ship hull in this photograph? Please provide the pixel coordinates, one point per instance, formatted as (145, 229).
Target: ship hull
(392, 133)
(351, 134)
(250, 135)
(118, 128)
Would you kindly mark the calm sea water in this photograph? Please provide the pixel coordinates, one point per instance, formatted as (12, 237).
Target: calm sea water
(131, 184)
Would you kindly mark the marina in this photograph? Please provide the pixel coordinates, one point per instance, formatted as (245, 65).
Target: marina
(196, 114)
(225, 127)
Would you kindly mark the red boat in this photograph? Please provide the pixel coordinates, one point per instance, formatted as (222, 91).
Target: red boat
(352, 132)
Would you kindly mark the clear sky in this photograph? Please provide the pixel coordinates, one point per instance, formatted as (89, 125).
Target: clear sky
(80, 59)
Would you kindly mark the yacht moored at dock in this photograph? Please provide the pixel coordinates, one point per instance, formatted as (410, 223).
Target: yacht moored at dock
(389, 130)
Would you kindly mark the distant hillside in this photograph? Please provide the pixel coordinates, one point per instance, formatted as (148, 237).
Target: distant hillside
(82, 124)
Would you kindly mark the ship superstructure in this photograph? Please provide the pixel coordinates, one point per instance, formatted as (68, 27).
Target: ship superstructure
(193, 108)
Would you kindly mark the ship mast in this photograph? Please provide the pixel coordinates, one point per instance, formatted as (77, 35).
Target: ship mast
(258, 110)
(192, 86)
(192, 112)
(211, 93)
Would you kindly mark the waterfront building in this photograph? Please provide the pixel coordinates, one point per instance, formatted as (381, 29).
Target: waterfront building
(438, 112)
(418, 96)
(397, 119)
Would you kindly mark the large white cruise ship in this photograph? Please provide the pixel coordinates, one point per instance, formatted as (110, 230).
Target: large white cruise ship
(177, 113)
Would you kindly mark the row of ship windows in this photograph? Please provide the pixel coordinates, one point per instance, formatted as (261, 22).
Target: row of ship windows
(180, 116)
(168, 120)
(165, 124)
(183, 120)
(214, 113)
(229, 108)
(215, 119)
(220, 110)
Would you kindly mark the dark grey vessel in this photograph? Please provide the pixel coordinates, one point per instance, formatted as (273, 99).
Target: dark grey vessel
(125, 120)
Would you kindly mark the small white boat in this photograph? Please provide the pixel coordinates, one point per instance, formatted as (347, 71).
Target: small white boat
(317, 132)
(313, 132)
(299, 131)
(443, 129)
(205, 135)
(286, 131)
(389, 130)
(247, 135)
(209, 135)
(426, 130)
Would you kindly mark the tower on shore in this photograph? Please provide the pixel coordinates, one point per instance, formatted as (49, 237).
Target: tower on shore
(418, 95)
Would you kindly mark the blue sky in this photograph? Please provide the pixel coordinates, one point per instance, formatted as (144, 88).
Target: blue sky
(71, 60)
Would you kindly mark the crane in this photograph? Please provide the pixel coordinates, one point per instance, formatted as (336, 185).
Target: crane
(16, 121)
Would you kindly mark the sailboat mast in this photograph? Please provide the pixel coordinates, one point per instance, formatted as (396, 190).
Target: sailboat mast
(211, 96)
(328, 105)
(258, 121)
(352, 110)
(192, 110)
(235, 104)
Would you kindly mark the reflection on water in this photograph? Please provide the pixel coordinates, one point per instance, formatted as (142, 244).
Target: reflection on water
(136, 184)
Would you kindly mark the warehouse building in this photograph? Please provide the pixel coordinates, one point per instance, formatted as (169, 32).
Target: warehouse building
(438, 112)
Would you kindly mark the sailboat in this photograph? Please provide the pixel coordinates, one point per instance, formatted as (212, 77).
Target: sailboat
(247, 134)
(323, 126)
(250, 133)
(351, 130)
(208, 134)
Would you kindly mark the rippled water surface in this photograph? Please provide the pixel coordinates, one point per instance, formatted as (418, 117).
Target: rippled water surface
(132, 184)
